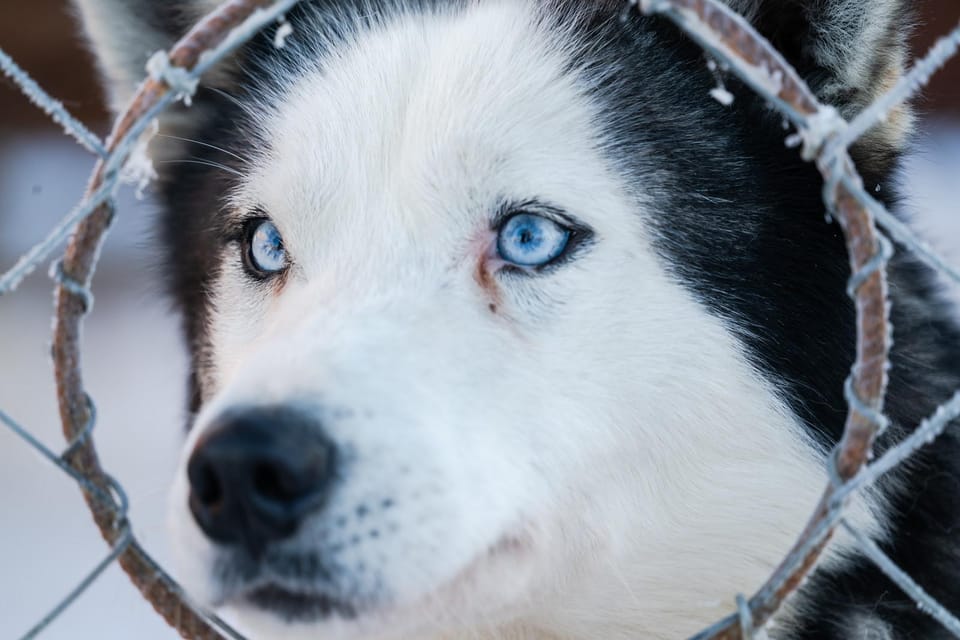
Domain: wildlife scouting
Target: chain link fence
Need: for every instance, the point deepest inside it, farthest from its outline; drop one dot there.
(822, 135)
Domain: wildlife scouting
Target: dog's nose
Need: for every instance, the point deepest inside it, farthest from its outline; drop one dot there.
(255, 475)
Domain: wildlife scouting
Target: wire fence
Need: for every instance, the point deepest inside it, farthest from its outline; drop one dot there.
(823, 136)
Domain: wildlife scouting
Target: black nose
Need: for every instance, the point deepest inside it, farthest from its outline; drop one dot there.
(255, 475)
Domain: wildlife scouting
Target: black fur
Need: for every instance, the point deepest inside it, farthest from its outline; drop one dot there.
(740, 222)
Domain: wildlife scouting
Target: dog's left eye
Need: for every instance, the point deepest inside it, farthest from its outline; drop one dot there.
(264, 253)
(529, 240)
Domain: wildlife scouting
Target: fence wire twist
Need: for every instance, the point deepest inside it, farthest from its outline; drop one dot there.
(825, 138)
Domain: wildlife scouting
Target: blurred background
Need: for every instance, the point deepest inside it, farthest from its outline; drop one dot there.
(133, 360)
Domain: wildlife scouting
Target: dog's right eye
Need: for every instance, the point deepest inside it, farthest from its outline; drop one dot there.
(263, 251)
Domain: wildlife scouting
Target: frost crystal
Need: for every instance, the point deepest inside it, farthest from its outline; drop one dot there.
(180, 80)
(138, 169)
(721, 95)
(284, 31)
(826, 122)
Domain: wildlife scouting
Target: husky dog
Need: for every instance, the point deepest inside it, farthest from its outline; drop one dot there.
(501, 327)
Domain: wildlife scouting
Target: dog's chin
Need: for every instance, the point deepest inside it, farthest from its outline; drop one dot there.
(481, 592)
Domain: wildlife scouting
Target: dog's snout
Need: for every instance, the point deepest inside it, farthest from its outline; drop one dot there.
(254, 476)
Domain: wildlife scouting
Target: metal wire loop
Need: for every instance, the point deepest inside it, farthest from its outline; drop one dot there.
(879, 261)
(84, 433)
(854, 401)
(746, 616)
(78, 289)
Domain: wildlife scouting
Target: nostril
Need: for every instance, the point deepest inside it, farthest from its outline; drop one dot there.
(205, 483)
(272, 483)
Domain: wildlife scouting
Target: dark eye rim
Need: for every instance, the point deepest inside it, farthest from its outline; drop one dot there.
(249, 228)
(581, 236)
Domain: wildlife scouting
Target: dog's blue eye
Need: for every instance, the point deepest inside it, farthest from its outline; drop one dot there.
(265, 251)
(530, 240)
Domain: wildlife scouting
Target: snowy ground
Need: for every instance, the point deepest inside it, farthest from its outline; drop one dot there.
(134, 368)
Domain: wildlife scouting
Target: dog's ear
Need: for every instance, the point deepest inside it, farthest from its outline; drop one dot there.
(125, 33)
(849, 51)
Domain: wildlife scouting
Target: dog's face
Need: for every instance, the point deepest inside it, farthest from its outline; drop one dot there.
(505, 412)
(450, 377)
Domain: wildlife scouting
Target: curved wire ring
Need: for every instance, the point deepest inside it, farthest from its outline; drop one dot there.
(81, 437)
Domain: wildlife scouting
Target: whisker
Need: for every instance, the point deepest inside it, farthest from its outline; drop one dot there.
(231, 98)
(208, 163)
(202, 144)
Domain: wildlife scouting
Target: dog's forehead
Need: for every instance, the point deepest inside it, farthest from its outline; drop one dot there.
(426, 121)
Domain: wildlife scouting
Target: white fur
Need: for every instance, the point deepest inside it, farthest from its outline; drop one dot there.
(868, 627)
(594, 459)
